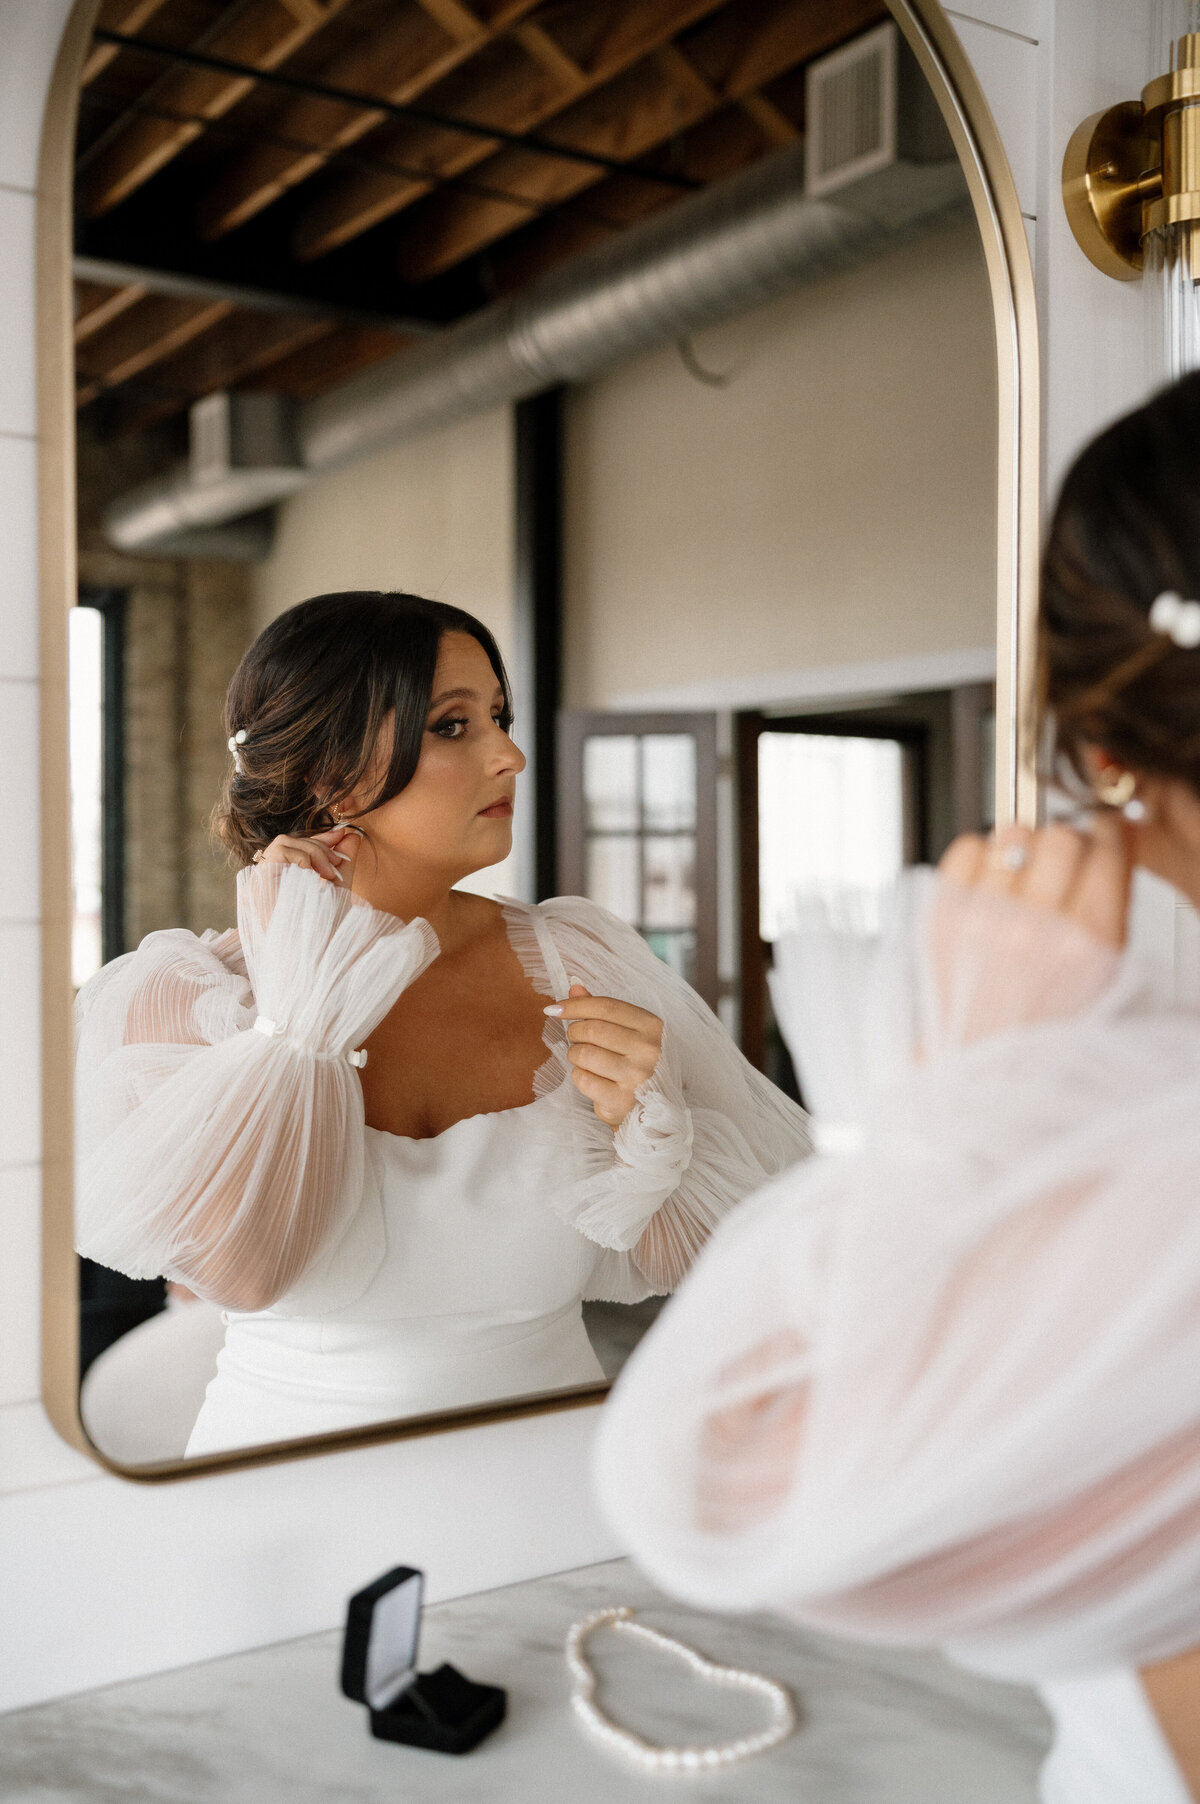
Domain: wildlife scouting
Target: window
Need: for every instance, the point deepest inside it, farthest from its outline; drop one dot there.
(638, 829)
(97, 781)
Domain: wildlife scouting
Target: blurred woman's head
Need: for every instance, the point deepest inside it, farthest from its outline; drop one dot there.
(1125, 532)
(386, 708)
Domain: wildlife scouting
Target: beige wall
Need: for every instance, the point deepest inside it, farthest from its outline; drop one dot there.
(834, 503)
(433, 516)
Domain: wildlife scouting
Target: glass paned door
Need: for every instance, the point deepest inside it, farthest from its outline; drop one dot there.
(638, 829)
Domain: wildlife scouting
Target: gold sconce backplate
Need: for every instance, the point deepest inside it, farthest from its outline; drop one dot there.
(1105, 184)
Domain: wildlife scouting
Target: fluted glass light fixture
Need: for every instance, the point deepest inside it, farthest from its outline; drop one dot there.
(1131, 185)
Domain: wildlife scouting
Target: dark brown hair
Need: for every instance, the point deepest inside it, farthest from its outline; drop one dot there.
(312, 695)
(1126, 528)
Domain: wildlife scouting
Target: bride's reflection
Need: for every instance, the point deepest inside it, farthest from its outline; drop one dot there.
(397, 1132)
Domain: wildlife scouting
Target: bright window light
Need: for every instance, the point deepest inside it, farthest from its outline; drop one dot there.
(831, 830)
(86, 730)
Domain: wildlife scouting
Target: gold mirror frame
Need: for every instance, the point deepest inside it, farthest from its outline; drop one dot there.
(1010, 275)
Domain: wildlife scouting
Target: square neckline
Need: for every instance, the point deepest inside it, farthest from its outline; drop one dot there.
(543, 964)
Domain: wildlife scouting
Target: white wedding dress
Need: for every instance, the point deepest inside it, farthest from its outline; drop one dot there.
(946, 1391)
(367, 1276)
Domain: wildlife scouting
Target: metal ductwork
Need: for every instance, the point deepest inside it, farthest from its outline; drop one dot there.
(737, 245)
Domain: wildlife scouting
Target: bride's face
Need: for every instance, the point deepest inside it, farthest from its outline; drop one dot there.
(455, 816)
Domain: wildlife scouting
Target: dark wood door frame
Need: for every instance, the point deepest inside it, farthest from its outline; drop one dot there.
(538, 615)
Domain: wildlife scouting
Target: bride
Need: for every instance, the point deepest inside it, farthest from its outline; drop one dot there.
(397, 1131)
(947, 1391)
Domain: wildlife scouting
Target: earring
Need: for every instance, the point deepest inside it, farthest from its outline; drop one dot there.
(1118, 789)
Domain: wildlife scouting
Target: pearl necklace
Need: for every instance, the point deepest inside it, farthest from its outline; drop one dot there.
(646, 1754)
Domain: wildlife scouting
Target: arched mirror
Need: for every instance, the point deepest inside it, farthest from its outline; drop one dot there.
(688, 346)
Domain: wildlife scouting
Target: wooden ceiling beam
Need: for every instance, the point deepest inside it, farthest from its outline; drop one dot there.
(717, 146)
(516, 96)
(262, 34)
(236, 351)
(146, 334)
(308, 12)
(97, 306)
(770, 119)
(635, 114)
(456, 20)
(128, 16)
(313, 369)
(662, 95)
(399, 64)
(537, 43)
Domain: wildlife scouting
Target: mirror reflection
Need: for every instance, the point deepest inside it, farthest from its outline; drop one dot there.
(466, 777)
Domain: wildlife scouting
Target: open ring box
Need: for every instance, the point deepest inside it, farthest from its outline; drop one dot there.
(442, 1710)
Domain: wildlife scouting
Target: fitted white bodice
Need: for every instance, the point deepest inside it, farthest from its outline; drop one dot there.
(222, 1144)
(476, 1294)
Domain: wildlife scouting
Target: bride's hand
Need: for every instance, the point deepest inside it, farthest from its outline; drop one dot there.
(615, 1047)
(1003, 968)
(331, 855)
(1084, 877)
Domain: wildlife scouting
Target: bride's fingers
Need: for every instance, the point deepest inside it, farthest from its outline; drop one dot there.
(1056, 858)
(962, 861)
(306, 854)
(611, 1102)
(1006, 858)
(1099, 900)
(615, 1066)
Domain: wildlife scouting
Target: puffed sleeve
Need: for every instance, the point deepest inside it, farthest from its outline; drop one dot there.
(942, 1392)
(220, 1121)
(705, 1131)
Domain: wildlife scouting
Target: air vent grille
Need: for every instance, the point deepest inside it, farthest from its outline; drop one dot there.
(850, 106)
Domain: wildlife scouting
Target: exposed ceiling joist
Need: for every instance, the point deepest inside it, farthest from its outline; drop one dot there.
(518, 96)
(455, 19)
(117, 15)
(259, 36)
(489, 139)
(236, 352)
(771, 120)
(144, 335)
(97, 304)
(399, 64)
(650, 104)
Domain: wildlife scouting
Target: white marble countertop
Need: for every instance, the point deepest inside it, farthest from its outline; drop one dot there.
(271, 1727)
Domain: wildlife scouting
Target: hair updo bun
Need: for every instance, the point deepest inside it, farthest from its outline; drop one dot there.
(1126, 529)
(312, 695)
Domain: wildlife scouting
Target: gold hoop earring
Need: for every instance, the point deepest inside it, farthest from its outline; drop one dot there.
(1115, 788)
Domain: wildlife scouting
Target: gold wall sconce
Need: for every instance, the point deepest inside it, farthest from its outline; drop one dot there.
(1131, 187)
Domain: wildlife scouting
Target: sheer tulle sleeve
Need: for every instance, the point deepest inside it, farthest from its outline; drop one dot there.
(707, 1128)
(220, 1121)
(944, 1391)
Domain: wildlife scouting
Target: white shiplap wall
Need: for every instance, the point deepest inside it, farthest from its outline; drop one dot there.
(100, 1579)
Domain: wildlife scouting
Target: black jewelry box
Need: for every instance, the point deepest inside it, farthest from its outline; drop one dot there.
(443, 1710)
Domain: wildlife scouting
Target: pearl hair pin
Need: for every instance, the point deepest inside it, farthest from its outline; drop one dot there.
(235, 742)
(1178, 619)
(646, 1755)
